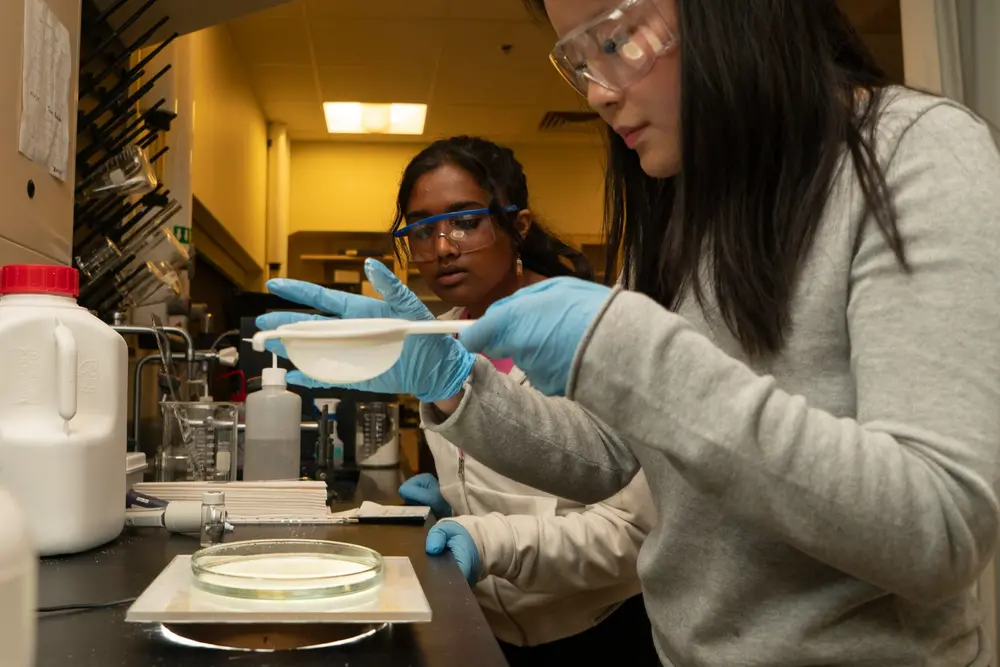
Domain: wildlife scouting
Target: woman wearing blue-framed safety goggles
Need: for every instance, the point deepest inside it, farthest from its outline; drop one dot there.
(546, 601)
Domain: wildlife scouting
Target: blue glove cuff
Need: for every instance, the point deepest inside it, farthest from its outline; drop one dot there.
(454, 386)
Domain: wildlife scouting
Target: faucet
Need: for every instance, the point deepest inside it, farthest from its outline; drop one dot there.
(226, 357)
(125, 330)
(137, 396)
(177, 331)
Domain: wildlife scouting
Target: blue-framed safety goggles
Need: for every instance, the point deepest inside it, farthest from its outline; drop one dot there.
(467, 231)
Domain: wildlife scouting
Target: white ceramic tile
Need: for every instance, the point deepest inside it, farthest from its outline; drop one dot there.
(172, 598)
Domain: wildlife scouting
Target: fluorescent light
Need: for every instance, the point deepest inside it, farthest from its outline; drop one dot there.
(360, 118)
(343, 117)
(408, 118)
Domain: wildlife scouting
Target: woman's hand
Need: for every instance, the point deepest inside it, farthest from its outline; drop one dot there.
(399, 302)
(431, 367)
(540, 327)
(424, 489)
(456, 539)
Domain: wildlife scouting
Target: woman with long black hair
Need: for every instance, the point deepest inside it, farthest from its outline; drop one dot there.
(803, 354)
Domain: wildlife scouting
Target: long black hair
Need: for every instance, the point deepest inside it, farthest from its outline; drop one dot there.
(499, 173)
(772, 93)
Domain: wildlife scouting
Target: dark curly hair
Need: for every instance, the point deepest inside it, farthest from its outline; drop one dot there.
(499, 173)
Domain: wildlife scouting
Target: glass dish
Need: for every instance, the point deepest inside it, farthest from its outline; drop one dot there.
(286, 569)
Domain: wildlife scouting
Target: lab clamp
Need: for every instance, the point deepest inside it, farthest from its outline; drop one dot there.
(198, 365)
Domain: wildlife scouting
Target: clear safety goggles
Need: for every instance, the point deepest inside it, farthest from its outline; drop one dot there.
(613, 50)
(466, 231)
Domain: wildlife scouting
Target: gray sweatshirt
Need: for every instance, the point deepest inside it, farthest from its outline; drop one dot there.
(833, 505)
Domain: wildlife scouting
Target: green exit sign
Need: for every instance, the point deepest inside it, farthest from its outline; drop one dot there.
(183, 234)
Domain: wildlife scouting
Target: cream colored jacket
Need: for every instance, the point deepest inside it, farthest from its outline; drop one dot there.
(552, 568)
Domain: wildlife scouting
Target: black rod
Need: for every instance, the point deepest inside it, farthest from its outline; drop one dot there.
(114, 35)
(148, 141)
(111, 141)
(129, 50)
(105, 220)
(159, 154)
(137, 220)
(102, 224)
(108, 99)
(91, 149)
(97, 288)
(113, 101)
(103, 16)
(109, 127)
(103, 207)
(123, 142)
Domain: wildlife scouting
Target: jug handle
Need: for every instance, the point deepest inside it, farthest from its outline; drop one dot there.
(66, 371)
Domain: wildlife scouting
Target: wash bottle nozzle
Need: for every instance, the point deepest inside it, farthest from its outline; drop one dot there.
(273, 376)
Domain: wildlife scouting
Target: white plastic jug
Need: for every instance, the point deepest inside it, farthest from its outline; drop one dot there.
(62, 411)
(18, 587)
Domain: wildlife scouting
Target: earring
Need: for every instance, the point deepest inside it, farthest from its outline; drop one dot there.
(520, 267)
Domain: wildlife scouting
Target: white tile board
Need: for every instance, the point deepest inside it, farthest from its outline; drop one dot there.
(172, 598)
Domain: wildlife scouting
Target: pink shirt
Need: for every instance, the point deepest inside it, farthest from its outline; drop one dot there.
(505, 366)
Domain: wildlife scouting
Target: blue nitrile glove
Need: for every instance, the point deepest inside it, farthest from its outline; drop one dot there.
(399, 302)
(454, 537)
(423, 489)
(431, 367)
(540, 328)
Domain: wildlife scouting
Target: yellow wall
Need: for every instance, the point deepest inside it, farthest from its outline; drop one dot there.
(352, 187)
(229, 170)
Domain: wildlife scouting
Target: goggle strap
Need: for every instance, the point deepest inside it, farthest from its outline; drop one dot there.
(496, 209)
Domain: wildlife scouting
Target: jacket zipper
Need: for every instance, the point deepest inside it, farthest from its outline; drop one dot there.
(461, 478)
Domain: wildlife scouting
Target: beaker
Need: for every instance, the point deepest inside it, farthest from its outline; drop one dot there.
(376, 427)
(199, 442)
(128, 172)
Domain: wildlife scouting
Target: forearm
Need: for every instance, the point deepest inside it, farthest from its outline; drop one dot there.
(551, 444)
(558, 554)
(901, 506)
(447, 407)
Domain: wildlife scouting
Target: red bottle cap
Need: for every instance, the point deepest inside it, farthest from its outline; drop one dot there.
(39, 279)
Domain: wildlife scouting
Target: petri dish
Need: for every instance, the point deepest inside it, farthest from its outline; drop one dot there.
(286, 569)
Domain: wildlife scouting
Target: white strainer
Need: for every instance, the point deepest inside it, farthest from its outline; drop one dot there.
(348, 351)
